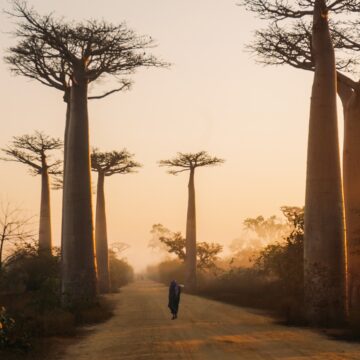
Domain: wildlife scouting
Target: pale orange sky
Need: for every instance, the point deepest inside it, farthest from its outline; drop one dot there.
(214, 98)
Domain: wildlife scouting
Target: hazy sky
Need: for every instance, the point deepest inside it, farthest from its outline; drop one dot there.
(214, 98)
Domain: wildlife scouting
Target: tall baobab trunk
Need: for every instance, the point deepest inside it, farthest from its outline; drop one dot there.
(45, 241)
(102, 257)
(324, 253)
(78, 257)
(190, 260)
(67, 121)
(351, 174)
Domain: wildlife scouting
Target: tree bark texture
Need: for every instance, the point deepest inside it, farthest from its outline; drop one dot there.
(79, 283)
(67, 121)
(190, 260)
(351, 177)
(45, 240)
(102, 258)
(324, 240)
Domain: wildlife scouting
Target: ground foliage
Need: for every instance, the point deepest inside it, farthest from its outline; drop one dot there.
(30, 306)
(121, 273)
(274, 281)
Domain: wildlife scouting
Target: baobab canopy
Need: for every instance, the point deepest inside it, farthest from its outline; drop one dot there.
(107, 164)
(49, 49)
(33, 151)
(188, 161)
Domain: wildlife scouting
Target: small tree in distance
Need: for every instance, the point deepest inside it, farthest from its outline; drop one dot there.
(107, 164)
(206, 252)
(189, 162)
(158, 231)
(33, 151)
(15, 228)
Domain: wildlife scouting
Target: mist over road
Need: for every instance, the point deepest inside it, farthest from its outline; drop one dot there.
(141, 329)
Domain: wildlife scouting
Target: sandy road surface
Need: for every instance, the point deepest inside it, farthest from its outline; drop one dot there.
(142, 329)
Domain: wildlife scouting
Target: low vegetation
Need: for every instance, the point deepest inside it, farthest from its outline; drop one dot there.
(272, 279)
(31, 303)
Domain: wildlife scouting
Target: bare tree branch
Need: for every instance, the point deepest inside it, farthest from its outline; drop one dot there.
(189, 161)
(277, 45)
(279, 10)
(126, 86)
(32, 150)
(114, 162)
(52, 51)
(15, 228)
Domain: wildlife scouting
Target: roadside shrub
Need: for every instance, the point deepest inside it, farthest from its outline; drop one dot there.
(167, 271)
(10, 337)
(243, 287)
(27, 271)
(284, 263)
(121, 273)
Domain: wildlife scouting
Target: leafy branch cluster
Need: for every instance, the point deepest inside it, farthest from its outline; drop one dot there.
(206, 253)
(284, 260)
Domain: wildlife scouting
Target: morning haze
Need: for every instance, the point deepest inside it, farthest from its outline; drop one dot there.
(214, 98)
(203, 205)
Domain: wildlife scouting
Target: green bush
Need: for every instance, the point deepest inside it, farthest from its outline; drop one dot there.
(171, 270)
(174, 269)
(284, 263)
(121, 273)
(27, 271)
(243, 287)
(166, 271)
(10, 337)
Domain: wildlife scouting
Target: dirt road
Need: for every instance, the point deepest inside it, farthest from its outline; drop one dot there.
(205, 329)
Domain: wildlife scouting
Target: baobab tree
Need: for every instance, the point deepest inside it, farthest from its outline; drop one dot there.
(324, 229)
(107, 164)
(69, 56)
(281, 46)
(189, 162)
(33, 151)
(324, 245)
(349, 93)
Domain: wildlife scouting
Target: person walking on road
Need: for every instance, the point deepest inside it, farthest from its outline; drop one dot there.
(174, 298)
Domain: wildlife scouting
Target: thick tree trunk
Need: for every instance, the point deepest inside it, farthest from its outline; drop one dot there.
(102, 258)
(67, 121)
(190, 260)
(351, 174)
(78, 255)
(324, 248)
(45, 241)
